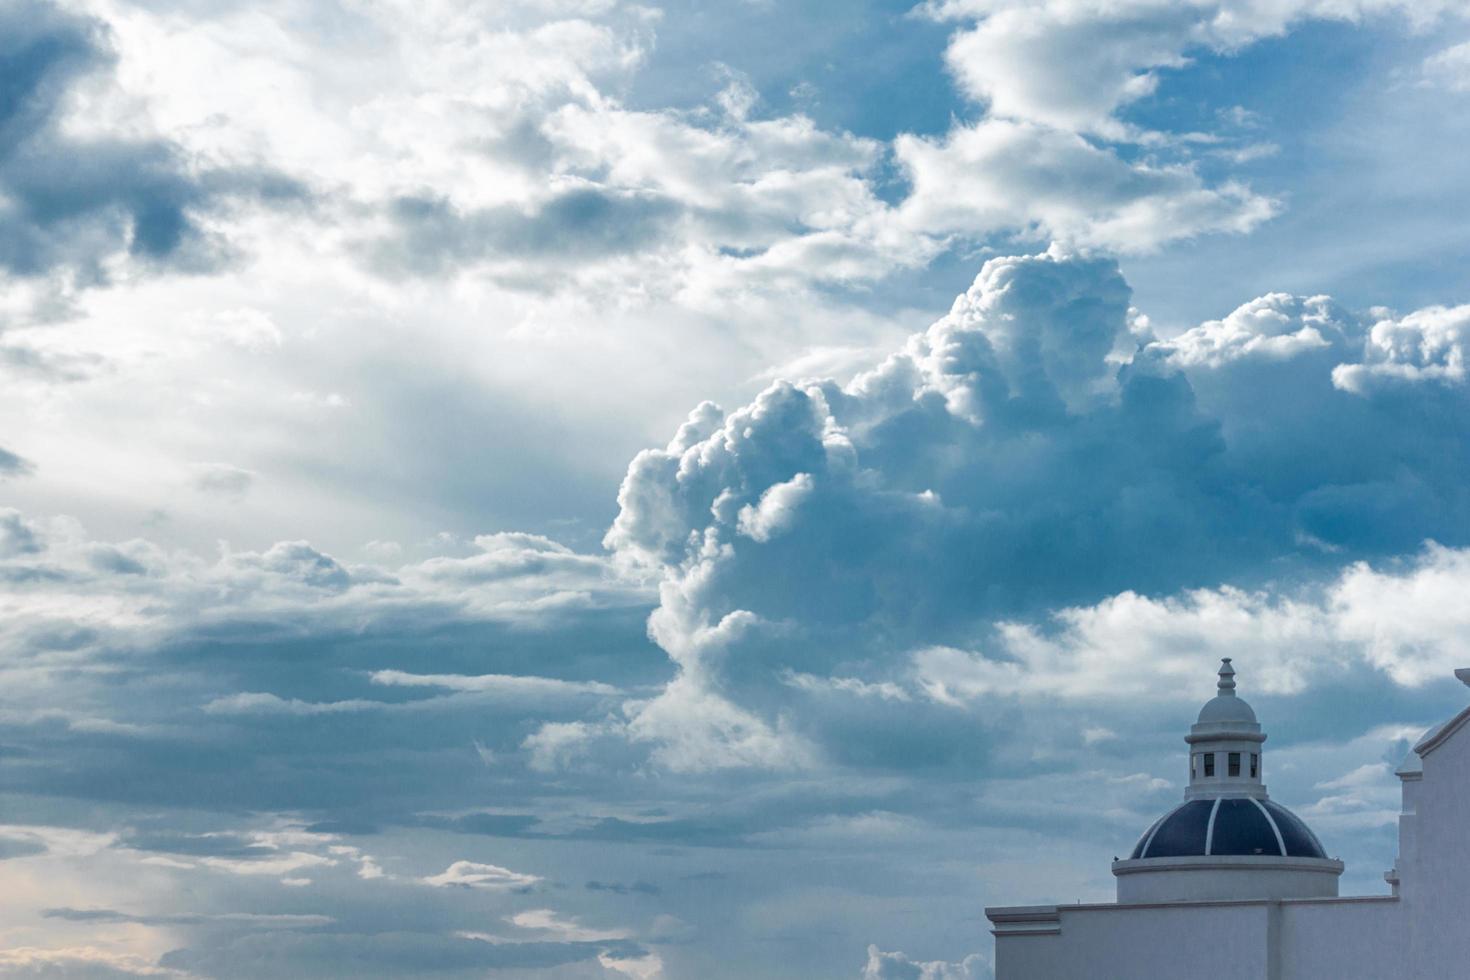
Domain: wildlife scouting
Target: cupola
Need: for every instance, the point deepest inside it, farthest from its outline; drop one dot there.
(1225, 757)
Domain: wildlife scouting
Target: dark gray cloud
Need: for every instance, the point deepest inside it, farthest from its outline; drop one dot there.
(73, 202)
(223, 479)
(432, 235)
(19, 847)
(13, 465)
(215, 844)
(18, 539)
(386, 954)
(50, 366)
(115, 561)
(246, 920)
(619, 888)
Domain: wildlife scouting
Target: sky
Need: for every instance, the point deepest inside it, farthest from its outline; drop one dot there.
(569, 489)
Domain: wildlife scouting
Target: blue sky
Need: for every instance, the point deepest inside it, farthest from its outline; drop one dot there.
(567, 489)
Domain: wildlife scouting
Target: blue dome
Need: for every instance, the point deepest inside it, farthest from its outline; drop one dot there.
(1231, 826)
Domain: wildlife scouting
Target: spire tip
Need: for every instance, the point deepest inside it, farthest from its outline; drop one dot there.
(1227, 677)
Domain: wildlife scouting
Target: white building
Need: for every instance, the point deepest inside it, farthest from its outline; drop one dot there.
(1231, 886)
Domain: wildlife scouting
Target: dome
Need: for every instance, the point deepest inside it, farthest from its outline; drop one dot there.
(1226, 708)
(1228, 826)
(1227, 841)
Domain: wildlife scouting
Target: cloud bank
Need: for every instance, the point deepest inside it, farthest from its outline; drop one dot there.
(1039, 447)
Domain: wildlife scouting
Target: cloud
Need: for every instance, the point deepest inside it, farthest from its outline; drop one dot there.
(546, 920)
(262, 858)
(619, 888)
(500, 684)
(291, 561)
(1012, 60)
(52, 366)
(1401, 617)
(285, 852)
(1276, 327)
(68, 842)
(558, 745)
(834, 560)
(86, 594)
(1074, 67)
(1399, 620)
(20, 847)
(13, 465)
(622, 958)
(897, 966)
(693, 728)
(284, 866)
(249, 658)
(214, 843)
(248, 329)
(17, 537)
(1003, 176)
(851, 686)
(377, 954)
(513, 555)
(515, 158)
(1056, 155)
(274, 921)
(518, 687)
(1449, 68)
(222, 479)
(468, 874)
(829, 537)
(775, 510)
(644, 965)
(432, 236)
(248, 702)
(512, 158)
(1428, 345)
(78, 204)
(80, 963)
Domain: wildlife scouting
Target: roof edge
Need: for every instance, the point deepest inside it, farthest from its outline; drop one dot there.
(1442, 734)
(1062, 910)
(1227, 862)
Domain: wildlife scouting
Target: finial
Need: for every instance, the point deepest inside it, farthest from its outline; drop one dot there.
(1227, 677)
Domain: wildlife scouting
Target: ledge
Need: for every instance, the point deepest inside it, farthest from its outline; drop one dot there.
(1225, 734)
(1442, 734)
(1025, 920)
(1041, 920)
(1227, 862)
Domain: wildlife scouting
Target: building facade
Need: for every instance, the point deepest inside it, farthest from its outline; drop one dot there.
(1230, 885)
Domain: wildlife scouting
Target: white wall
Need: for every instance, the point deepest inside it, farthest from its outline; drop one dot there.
(1226, 942)
(1435, 881)
(1347, 939)
(1308, 939)
(1227, 879)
